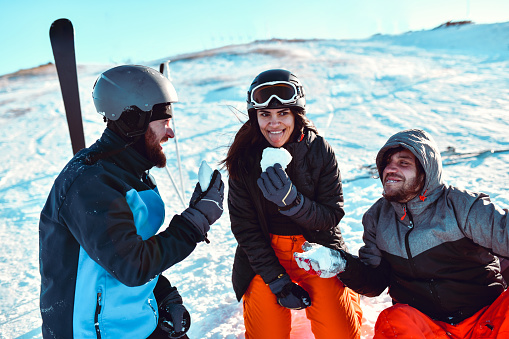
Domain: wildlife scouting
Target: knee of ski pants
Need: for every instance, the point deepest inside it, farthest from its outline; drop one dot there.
(263, 316)
(335, 311)
(404, 321)
(493, 320)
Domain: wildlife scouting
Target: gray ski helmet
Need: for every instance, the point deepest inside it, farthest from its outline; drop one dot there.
(272, 75)
(131, 85)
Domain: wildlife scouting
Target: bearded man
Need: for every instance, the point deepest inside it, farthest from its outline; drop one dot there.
(434, 246)
(101, 256)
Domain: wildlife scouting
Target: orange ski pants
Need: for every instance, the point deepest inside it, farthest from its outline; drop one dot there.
(334, 312)
(402, 321)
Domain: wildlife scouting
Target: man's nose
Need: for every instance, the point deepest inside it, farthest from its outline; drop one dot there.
(169, 132)
(391, 168)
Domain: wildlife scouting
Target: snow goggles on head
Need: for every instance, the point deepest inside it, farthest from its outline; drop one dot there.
(284, 91)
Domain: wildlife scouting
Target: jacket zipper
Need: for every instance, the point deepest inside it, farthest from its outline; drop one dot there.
(156, 313)
(96, 316)
(407, 242)
(431, 283)
(434, 294)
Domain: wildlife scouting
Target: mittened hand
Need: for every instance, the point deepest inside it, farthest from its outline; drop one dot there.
(174, 319)
(294, 297)
(320, 260)
(210, 201)
(276, 186)
(206, 206)
(289, 294)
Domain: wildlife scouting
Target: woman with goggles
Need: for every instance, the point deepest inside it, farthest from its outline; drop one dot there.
(275, 211)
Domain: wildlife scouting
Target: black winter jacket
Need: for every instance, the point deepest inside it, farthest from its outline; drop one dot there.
(100, 256)
(314, 172)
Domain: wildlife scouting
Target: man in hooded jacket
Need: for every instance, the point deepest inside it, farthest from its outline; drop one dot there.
(434, 246)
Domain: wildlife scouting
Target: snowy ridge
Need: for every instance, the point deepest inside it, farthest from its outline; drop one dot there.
(452, 82)
(486, 39)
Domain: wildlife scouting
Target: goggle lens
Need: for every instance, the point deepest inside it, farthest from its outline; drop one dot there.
(285, 92)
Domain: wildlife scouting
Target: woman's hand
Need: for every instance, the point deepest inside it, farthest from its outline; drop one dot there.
(276, 186)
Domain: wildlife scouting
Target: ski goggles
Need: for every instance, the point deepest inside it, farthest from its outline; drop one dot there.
(284, 91)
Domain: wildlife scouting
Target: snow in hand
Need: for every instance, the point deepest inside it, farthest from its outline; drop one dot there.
(452, 82)
(272, 156)
(204, 175)
(320, 260)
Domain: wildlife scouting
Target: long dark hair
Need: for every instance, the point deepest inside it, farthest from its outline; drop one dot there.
(249, 141)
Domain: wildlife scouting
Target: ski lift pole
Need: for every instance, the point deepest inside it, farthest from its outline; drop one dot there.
(164, 68)
(176, 188)
(178, 159)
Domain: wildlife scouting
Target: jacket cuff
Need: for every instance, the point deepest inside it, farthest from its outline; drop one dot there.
(197, 219)
(294, 207)
(277, 285)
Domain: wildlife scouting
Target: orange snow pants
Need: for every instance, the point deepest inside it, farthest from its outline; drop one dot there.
(402, 321)
(334, 312)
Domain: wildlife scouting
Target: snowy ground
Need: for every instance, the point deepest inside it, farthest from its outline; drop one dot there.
(452, 82)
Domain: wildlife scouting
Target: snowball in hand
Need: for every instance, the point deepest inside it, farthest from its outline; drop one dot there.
(204, 175)
(272, 156)
(320, 260)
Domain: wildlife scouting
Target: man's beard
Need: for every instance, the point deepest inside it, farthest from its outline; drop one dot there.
(153, 149)
(407, 192)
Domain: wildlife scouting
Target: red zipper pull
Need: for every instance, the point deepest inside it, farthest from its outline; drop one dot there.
(404, 215)
(423, 196)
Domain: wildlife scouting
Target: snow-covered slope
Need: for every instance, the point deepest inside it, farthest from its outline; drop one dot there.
(452, 82)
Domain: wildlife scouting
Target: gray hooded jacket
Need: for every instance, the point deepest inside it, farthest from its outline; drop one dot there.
(437, 251)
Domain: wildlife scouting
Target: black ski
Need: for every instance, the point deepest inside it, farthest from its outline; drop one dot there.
(61, 34)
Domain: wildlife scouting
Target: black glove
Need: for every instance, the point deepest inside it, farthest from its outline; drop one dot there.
(276, 186)
(289, 294)
(174, 319)
(206, 207)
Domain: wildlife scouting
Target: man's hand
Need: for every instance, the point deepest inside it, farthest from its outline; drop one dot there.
(276, 186)
(206, 206)
(320, 260)
(174, 319)
(289, 294)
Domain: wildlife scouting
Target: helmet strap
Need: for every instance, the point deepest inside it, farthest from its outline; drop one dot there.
(133, 124)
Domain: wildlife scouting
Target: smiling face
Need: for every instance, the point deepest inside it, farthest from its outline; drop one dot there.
(158, 133)
(401, 178)
(276, 125)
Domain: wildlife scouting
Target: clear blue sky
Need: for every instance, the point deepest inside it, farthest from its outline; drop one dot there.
(111, 31)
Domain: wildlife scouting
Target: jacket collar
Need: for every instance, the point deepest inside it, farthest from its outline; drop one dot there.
(127, 157)
(308, 138)
(417, 205)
